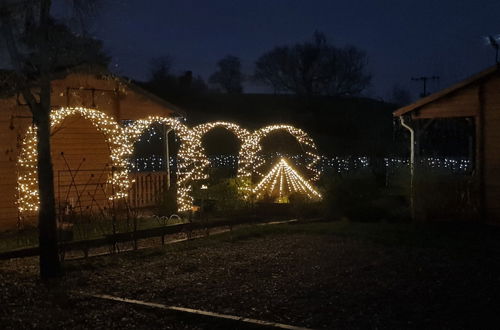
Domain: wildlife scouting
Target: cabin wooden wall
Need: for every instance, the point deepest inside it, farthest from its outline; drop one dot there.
(481, 100)
(491, 127)
(13, 121)
(461, 103)
(81, 161)
(78, 138)
(122, 101)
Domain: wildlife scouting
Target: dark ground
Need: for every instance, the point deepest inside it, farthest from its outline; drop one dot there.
(320, 275)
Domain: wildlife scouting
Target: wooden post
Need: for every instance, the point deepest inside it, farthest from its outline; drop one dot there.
(479, 121)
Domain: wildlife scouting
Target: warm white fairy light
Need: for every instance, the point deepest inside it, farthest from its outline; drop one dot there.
(27, 181)
(190, 160)
(245, 155)
(306, 142)
(282, 180)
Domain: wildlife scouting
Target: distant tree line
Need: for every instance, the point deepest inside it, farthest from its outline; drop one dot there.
(164, 82)
(311, 68)
(314, 67)
(228, 76)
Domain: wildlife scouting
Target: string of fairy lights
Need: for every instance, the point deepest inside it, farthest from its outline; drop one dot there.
(305, 141)
(282, 180)
(191, 160)
(335, 164)
(245, 156)
(27, 181)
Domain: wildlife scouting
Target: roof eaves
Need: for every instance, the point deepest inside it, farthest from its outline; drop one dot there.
(435, 96)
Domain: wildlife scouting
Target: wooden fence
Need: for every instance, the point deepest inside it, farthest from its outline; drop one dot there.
(147, 189)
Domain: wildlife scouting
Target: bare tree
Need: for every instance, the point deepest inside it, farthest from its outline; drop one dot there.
(228, 76)
(314, 68)
(165, 83)
(160, 69)
(38, 46)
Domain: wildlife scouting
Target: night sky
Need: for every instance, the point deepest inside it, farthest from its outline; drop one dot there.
(403, 38)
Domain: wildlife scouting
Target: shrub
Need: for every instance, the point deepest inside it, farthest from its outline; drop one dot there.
(359, 195)
(302, 207)
(442, 195)
(223, 197)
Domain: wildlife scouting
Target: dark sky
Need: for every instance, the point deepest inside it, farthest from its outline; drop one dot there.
(403, 38)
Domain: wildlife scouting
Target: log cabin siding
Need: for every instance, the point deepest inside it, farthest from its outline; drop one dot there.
(11, 124)
(78, 139)
(81, 162)
(462, 103)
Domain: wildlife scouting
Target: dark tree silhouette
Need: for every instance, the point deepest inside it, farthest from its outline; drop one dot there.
(160, 69)
(228, 76)
(38, 47)
(170, 86)
(314, 68)
(400, 96)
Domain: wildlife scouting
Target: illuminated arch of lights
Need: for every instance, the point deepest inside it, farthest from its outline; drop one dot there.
(27, 181)
(191, 160)
(305, 141)
(244, 156)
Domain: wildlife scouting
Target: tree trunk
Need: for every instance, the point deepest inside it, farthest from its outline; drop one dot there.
(50, 265)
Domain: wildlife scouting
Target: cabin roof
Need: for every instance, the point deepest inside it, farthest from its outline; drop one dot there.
(438, 95)
(127, 82)
(9, 80)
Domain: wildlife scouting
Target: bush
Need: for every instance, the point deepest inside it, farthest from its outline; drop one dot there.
(224, 197)
(442, 195)
(168, 202)
(302, 207)
(359, 195)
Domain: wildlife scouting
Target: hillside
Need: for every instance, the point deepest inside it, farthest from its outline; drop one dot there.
(340, 126)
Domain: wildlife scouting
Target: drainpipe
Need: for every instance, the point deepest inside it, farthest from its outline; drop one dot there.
(412, 165)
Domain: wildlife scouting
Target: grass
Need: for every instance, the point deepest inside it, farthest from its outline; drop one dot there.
(320, 274)
(408, 234)
(458, 238)
(83, 229)
(436, 235)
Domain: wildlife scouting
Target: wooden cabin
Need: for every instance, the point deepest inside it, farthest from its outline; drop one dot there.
(477, 100)
(79, 151)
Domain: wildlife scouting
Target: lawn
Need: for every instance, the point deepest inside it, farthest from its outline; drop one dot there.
(316, 274)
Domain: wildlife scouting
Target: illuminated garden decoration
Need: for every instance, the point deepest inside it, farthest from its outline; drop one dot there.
(27, 181)
(245, 155)
(191, 159)
(306, 142)
(248, 160)
(282, 181)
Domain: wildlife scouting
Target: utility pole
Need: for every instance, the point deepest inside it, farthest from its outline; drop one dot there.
(424, 79)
